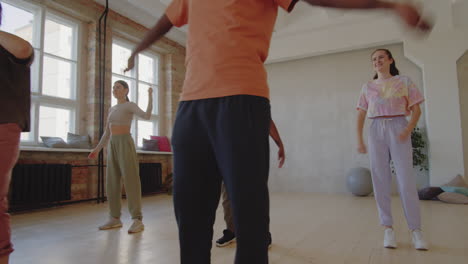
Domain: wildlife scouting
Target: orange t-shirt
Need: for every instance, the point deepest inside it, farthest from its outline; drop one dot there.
(227, 44)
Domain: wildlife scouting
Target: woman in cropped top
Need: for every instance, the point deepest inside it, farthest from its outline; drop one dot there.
(387, 100)
(122, 161)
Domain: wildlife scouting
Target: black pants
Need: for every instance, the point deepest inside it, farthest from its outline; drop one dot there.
(214, 140)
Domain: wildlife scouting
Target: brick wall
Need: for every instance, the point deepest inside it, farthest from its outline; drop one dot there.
(84, 178)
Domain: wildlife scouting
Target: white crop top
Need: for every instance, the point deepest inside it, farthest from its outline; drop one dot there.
(122, 115)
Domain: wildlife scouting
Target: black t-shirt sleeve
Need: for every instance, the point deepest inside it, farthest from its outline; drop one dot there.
(27, 61)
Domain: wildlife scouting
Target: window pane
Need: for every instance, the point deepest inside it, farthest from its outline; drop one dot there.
(35, 72)
(143, 97)
(54, 122)
(26, 136)
(18, 21)
(145, 130)
(120, 57)
(131, 85)
(57, 78)
(58, 39)
(147, 69)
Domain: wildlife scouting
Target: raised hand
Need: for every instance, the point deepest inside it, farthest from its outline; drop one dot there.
(412, 17)
(130, 64)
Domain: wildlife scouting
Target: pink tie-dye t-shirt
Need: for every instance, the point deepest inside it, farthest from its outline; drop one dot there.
(390, 97)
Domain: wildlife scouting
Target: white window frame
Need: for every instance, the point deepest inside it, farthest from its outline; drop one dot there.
(41, 13)
(134, 76)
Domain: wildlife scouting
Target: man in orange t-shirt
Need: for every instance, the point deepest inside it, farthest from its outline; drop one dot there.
(222, 124)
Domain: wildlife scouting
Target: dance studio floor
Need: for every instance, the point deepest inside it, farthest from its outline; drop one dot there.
(306, 228)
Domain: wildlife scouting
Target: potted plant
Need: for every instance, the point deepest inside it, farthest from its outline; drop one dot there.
(419, 147)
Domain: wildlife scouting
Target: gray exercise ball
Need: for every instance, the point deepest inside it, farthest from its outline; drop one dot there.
(359, 181)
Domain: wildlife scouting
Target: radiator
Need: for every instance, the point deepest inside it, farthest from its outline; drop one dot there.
(38, 184)
(151, 177)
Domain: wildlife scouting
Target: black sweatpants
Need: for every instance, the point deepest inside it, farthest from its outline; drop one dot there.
(214, 140)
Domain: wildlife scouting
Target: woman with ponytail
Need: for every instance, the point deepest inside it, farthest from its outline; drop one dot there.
(387, 100)
(122, 161)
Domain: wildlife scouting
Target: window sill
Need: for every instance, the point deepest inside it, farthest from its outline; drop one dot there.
(45, 149)
(153, 152)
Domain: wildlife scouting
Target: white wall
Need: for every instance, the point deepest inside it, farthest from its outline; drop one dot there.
(314, 106)
(462, 66)
(436, 56)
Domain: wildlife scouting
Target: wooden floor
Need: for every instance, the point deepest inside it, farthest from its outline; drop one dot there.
(306, 228)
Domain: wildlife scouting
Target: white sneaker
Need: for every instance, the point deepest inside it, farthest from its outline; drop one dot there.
(111, 223)
(418, 240)
(136, 227)
(389, 238)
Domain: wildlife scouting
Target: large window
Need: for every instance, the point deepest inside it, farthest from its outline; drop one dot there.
(54, 71)
(144, 75)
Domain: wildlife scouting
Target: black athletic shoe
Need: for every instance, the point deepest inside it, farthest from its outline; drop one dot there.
(228, 238)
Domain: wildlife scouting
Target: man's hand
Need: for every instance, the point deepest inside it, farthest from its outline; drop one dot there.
(281, 156)
(411, 17)
(130, 63)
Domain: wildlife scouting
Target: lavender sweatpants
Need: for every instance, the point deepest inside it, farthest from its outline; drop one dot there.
(384, 145)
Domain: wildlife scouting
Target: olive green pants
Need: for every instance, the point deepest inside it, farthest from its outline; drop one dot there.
(122, 163)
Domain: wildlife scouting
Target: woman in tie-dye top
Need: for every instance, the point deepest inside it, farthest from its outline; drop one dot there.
(387, 100)
(390, 97)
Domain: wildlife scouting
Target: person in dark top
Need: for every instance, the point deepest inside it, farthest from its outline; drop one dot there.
(16, 56)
